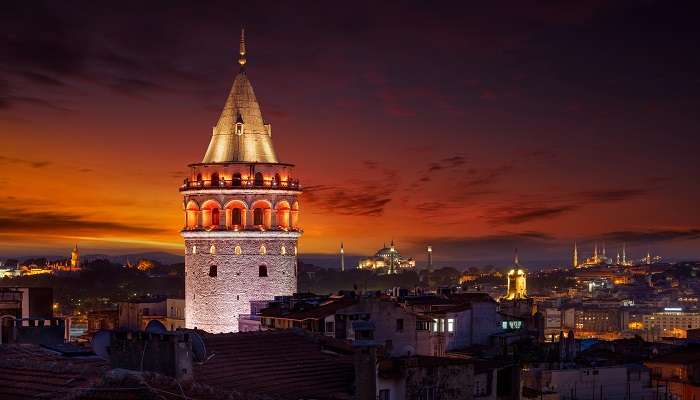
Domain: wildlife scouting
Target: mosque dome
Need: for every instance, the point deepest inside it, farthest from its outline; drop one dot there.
(386, 253)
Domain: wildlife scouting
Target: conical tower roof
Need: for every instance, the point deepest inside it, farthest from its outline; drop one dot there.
(240, 135)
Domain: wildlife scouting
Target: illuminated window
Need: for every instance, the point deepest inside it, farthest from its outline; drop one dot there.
(450, 325)
(262, 271)
(283, 250)
(212, 271)
(237, 250)
(263, 249)
(212, 249)
(194, 249)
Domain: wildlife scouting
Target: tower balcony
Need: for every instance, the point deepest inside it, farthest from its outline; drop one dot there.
(241, 228)
(292, 184)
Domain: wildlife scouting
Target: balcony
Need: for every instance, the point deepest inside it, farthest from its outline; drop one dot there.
(241, 228)
(240, 184)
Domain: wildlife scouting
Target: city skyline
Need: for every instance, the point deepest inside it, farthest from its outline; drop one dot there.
(446, 142)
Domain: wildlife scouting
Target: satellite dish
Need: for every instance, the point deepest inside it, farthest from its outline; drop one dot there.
(155, 326)
(198, 349)
(100, 342)
(409, 350)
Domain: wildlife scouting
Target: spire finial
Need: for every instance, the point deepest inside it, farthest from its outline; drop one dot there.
(241, 50)
(517, 261)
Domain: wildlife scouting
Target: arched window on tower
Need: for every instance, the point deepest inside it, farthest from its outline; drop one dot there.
(258, 216)
(262, 271)
(276, 182)
(215, 217)
(236, 179)
(259, 179)
(237, 250)
(212, 271)
(236, 216)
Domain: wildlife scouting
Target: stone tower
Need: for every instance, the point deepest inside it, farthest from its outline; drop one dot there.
(241, 217)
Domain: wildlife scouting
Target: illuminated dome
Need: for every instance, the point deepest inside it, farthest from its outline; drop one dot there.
(386, 252)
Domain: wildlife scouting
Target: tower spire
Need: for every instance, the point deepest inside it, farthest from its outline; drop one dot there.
(241, 49)
(517, 260)
(575, 254)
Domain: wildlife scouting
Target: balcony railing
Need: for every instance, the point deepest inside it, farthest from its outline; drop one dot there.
(241, 228)
(241, 184)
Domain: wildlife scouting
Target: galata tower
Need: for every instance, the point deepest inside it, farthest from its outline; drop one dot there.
(241, 217)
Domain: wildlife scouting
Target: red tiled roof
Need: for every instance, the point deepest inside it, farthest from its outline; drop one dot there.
(287, 363)
(29, 370)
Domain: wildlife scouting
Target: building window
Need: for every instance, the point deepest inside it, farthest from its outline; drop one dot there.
(259, 180)
(215, 216)
(330, 327)
(450, 325)
(258, 216)
(283, 250)
(262, 271)
(263, 250)
(236, 179)
(384, 394)
(215, 179)
(236, 216)
(212, 249)
(194, 249)
(399, 325)
(212, 271)
(237, 250)
(428, 393)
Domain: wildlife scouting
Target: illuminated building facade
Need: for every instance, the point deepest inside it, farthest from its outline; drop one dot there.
(241, 217)
(671, 322)
(387, 260)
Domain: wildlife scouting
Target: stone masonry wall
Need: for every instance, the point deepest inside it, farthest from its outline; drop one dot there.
(214, 303)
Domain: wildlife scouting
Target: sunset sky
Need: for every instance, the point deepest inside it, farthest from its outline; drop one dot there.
(475, 129)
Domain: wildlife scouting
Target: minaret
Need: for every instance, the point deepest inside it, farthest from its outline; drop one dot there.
(617, 258)
(241, 216)
(575, 255)
(342, 258)
(595, 252)
(624, 253)
(392, 250)
(430, 258)
(516, 260)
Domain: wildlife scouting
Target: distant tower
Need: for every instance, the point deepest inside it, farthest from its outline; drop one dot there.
(241, 217)
(392, 251)
(517, 285)
(624, 253)
(342, 258)
(575, 255)
(75, 258)
(595, 251)
(647, 259)
(430, 258)
(617, 258)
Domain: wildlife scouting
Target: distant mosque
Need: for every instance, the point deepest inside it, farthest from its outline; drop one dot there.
(387, 260)
(516, 302)
(599, 258)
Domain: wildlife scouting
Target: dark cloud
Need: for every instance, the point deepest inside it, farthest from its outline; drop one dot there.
(606, 196)
(29, 163)
(22, 221)
(652, 236)
(364, 201)
(518, 215)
